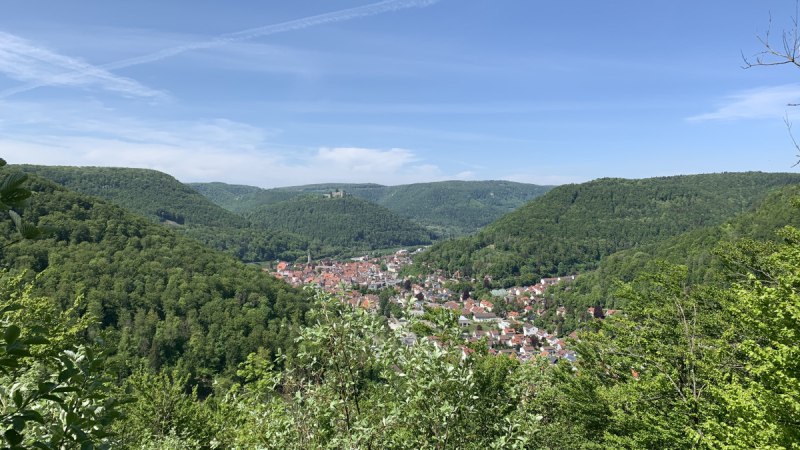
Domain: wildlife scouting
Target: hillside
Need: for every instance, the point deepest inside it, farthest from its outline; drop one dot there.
(158, 296)
(450, 207)
(150, 193)
(163, 199)
(698, 250)
(343, 225)
(572, 227)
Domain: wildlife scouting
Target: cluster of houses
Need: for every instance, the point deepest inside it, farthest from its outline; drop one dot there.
(508, 332)
(331, 276)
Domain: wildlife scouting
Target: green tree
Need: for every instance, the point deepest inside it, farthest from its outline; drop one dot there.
(761, 401)
(649, 371)
(54, 390)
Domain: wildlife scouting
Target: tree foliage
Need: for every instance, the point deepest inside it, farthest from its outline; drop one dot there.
(572, 227)
(451, 208)
(341, 225)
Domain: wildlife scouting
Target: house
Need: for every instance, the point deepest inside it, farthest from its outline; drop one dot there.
(484, 317)
(529, 330)
(464, 322)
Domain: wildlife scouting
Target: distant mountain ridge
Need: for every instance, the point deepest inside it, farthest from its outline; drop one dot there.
(162, 198)
(449, 207)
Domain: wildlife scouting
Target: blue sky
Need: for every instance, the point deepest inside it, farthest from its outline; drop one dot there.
(273, 93)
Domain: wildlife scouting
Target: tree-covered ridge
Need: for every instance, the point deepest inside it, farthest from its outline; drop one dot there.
(164, 199)
(449, 207)
(348, 224)
(698, 250)
(572, 227)
(223, 193)
(459, 207)
(159, 297)
(150, 193)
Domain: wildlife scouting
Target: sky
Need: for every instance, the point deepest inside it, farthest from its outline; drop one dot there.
(276, 93)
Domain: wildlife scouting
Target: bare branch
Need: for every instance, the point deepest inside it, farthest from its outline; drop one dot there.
(786, 52)
(791, 136)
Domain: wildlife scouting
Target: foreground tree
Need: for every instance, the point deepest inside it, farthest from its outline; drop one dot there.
(761, 400)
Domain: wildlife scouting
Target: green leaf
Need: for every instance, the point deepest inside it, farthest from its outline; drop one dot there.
(37, 340)
(11, 334)
(17, 397)
(46, 386)
(33, 416)
(18, 423)
(16, 218)
(11, 307)
(18, 351)
(13, 437)
(9, 362)
(29, 231)
(63, 389)
(11, 183)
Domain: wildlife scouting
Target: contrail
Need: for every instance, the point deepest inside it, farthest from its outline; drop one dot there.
(244, 35)
(24, 61)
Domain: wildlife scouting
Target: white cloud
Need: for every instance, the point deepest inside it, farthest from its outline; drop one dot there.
(760, 103)
(24, 61)
(262, 167)
(364, 160)
(200, 150)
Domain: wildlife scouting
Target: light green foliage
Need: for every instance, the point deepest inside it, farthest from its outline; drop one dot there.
(762, 399)
(353, 384)
(13, 196)
(162, 410)
(54, 392)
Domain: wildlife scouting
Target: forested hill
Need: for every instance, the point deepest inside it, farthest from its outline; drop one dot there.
(341, 224)
(699, 250)
(159, 297)
(150, 193)
(164, 199)
(450, 207)
(571, 227)
(237, 198)
(458, 207)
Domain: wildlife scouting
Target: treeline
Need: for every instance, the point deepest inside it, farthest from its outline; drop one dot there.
(451, 208)
(572, 227)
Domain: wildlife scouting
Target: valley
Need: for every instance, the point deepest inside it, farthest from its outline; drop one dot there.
(323, 302)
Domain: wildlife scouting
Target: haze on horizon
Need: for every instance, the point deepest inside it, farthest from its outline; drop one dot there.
(397, 91)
